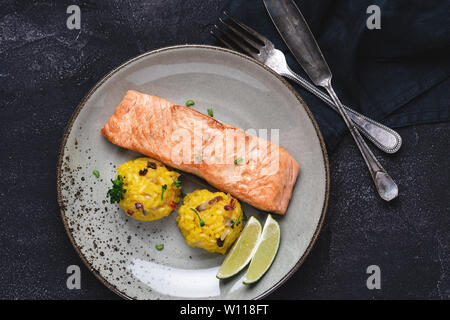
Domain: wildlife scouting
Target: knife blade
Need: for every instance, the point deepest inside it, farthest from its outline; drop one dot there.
(297, 35)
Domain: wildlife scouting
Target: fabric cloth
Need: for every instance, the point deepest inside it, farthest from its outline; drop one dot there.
(397, 75)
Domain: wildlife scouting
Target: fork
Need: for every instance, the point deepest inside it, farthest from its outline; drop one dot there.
(381, 136)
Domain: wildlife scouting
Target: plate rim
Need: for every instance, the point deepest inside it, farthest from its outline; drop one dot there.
(80, 106)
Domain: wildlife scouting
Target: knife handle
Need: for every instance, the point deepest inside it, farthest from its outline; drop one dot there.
(385, 185)
(381, 136)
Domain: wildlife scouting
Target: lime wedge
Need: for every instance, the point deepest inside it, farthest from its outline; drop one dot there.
(242, 251)
(265, 252)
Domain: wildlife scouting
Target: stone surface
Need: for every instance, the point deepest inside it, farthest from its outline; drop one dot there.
(45, 71)
(407, 238)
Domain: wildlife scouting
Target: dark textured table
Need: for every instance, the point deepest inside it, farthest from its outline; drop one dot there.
(45, 71)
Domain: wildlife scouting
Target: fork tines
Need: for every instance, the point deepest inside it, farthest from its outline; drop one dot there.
(236, 36)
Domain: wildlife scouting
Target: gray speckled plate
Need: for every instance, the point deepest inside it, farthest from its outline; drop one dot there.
(121, 251)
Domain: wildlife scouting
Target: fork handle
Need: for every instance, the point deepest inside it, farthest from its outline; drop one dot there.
(383, 137)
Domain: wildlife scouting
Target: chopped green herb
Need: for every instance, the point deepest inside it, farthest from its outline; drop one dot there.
(96, 173)
(116, 192)
(202, 223)
(164, 187)
(238, 221)
(190, 103)
(198, 157)
(210, 112)
(237, 161)
(177, 183)
(159, 247)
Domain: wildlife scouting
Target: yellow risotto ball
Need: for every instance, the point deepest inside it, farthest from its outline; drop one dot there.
(152, 191)
(211, 221)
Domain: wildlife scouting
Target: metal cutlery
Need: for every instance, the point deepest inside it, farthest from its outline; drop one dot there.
(296, 33)
(383, 137)
(264, 51)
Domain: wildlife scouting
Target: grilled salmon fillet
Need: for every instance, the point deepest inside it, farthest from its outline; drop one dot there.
(250, 168)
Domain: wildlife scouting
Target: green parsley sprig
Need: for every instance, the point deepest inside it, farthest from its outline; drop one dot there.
(116, 192)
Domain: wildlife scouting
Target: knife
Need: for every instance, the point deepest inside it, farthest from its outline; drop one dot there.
(295, 32)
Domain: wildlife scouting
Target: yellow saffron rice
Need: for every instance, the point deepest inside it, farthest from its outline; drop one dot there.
(151, 189)
(214, 228)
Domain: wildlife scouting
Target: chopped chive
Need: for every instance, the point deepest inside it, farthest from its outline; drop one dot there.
(238, 221)
(164, 187)
(210, 112)
(177, 183)
(96, 173)
(190, 103)
(159, 247)
(202, 223)
(198, 157)
(237, 161)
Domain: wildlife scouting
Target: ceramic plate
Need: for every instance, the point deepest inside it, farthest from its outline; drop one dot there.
(121, 251)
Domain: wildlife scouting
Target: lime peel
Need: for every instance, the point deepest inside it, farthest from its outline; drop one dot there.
(265, 251)
(242, 251)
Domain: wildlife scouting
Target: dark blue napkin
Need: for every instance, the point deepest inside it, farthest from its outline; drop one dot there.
(398, 75)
